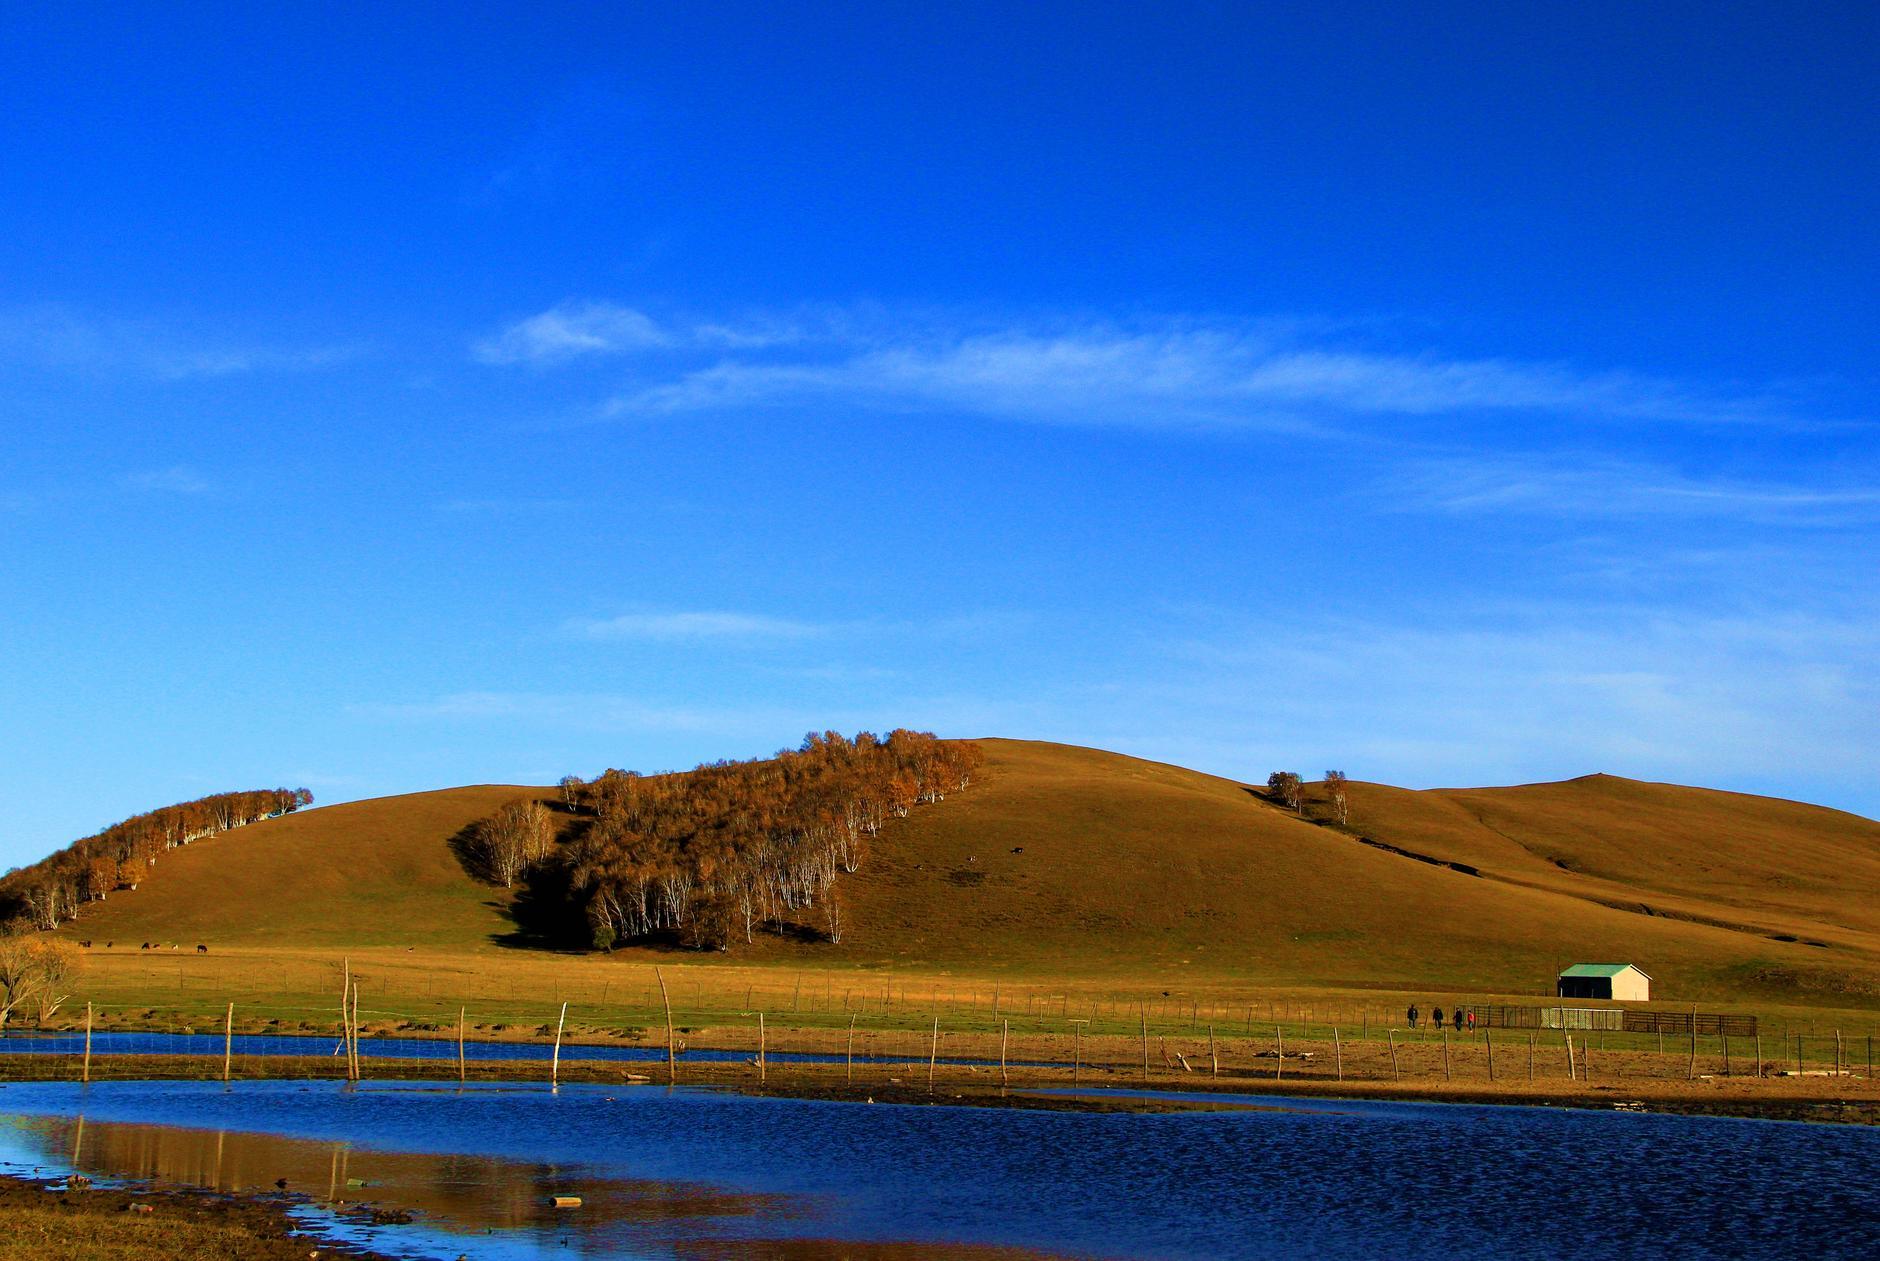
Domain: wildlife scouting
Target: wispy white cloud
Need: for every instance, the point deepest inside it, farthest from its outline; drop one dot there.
(1645, 691)
(1167, 373)
(507, 506)
(599, 330)
(1602, 488)
(1177, 375)
(692, 626)
(61, 338)
(607, 712)
(178, 479)
(570, 331)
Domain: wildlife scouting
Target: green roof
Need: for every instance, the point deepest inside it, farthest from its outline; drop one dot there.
(1600, 969)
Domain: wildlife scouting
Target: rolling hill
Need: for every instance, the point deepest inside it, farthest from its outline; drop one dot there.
(1076, 862)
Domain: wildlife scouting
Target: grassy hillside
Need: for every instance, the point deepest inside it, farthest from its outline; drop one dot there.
(1074, 862)
(375, 872)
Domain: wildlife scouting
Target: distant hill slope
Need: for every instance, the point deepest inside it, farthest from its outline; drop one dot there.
(364, 873)
(1075, 861)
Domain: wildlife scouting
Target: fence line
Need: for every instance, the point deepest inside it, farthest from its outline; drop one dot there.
(393, 1039)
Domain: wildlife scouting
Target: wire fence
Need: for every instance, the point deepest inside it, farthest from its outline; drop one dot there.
(534, 1041)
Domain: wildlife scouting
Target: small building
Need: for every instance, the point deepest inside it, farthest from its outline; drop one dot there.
(1623, 982)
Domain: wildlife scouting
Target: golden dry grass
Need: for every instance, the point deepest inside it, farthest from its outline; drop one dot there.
(1074, 871)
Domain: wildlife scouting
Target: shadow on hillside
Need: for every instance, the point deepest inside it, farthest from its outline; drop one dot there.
(539, 910)
(468, 853)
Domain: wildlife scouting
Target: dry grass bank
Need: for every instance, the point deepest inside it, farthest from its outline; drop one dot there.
(1071, 869)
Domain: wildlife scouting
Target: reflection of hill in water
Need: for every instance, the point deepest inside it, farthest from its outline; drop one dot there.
(454, 1192)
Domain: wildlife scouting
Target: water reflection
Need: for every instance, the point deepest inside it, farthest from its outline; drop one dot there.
(460, 1194)
(699, 1174)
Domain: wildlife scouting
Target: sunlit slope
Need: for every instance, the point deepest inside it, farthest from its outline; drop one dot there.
(1070, 861)
(377, 872)
(1128, 865)
(1752, 860)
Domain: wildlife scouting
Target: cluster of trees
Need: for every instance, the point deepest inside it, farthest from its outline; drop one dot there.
(49, 892)
(35, 973)
(503, 848)
(1288, 789)
(715, 853)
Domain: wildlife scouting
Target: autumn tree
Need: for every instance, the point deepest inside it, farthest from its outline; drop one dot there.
(35, 972)
(1285, 787)
(1336, 792)
(712, 854)
(511, 841)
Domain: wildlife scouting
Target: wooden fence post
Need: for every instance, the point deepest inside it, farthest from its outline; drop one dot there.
(851, 1054)
(1837, 1052)
(1005, 1035)
(672, 1054)
(1726, 1054)
(1214, 1061)
(762, 1067)
(1530, 1057)
(1144, 1013)
(86, 1077)
(228, 1042)
(1489, 1042)
(1445, 1053)
(345, 1014)
(1394, 1074)
(461, 1075)
(933, 1053)
(1571, 1074)
(1338, 1054)
(1279, 1052)
(1759, 1053)
(554, 1063)
(1077, 1050)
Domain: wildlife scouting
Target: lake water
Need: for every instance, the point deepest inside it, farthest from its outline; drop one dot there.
(697, 1173)
(277, 1045)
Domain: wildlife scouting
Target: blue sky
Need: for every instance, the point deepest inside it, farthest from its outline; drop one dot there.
(396, 401)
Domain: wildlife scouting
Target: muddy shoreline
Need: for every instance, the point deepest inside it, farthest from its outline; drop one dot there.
(135, 1221)
(1851, 1100)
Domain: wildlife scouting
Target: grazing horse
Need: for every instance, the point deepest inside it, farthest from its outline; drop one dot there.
(85, 944)
(202, 950)
(145, 946)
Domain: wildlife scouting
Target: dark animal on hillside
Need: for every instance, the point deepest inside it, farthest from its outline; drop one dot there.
(107, 945)
(202, 950)
(145, 946)
(85, 944)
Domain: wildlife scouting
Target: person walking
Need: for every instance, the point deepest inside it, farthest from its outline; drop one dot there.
(1436, 1015)
(1413, 1015)
(1471, 1020)
(1458, 1015)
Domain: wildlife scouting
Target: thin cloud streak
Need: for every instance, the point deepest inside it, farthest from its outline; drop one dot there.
(59, 338)
(176, 480)
(1611, 489)
(1180, 376)
(570, 331)
(694, 626)
(1636, 691)
(1172, 373)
